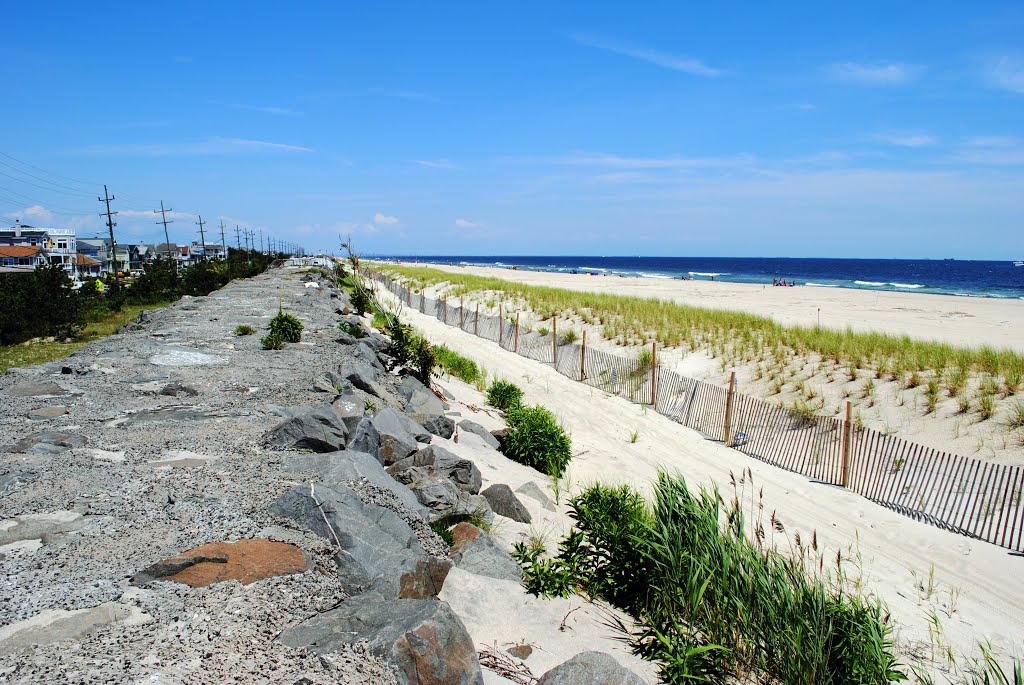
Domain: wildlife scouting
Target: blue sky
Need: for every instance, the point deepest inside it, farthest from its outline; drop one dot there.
(726, 129)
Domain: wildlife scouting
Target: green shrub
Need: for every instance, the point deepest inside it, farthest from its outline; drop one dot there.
(537, 440)
(272, 341)
(443, 531)
(352, 329)
(286, 327)
(409, 348)
(457, 365)
(361, 300)
(568, 336)
(542, 330)
(504, 395)
(244, 330)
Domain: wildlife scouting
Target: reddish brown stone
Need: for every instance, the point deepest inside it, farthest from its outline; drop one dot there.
(246, 561)
(426, 580)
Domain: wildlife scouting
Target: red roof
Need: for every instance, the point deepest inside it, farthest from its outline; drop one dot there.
(85, 260)
(19, 250)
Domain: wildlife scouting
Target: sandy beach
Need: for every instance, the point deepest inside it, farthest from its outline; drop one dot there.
(920, 571)
(970, 321)
(883, 403)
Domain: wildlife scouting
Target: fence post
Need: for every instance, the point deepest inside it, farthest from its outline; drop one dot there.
(847, 435)
(516, 344)
(728, 408)
(554, 341)
(462, 312)
(583, 357)
(501, 324)
(654, 380)
(476, 321)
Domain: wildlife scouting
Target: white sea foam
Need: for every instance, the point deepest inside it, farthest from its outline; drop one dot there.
(822, 285)
(869, 283)
(707, 273)
(907, 285)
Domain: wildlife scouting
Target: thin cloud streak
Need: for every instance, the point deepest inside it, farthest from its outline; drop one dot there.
(1007, 73)
(436, 163)
(612, 161)
(906, 139)
(681, 63)
(875, 74)
(281, 111)
(210, 146)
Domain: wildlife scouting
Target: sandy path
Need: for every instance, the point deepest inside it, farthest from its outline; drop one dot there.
(989, 598)
(959, 320)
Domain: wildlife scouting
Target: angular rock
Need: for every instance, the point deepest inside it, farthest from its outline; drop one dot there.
(376, 546)
(474, 551)
(533, 491)
(49, 442)
(178, 390)
(350, 409)
(363, 376)
(365, 438)
(437, 461)
(438, 424)
(9, 482)
(422, 638)
(377, 342)
(504, 502)
(426, 580)
(476, 429)
(423, 402)
(335, 468)
(314, 428)
(441, 496)
(394, 422)
(245, 561)
(363, 352)
(590, 668)
(408, 386)
(397, 434)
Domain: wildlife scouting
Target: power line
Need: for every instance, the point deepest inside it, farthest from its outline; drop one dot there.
(73, 191)
(40, 202)
(107, 197)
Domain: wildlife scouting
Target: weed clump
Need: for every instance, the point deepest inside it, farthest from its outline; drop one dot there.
(272, 341)
(286, 327)
(504, 395)
(244, 330)
(537, 440)
(457, 365)
(352, 329)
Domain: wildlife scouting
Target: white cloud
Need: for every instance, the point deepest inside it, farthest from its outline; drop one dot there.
(1007, 73)
(906, 139)
(384, 219)
(875, 74)
(210, 146)
(437, 163)
(36, 213)
(687, 65)
(467, 224)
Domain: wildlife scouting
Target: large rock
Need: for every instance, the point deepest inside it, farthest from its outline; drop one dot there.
(476, 429)
(49, 442)
(365, 438)
(590, 668)
(422, 401)
(363, 352)
(37, 389)
(504, 502)
(363, 376)
(395, 422)
(438, 424)
(376, 547)
(245, 561)
(533, 491)
(437, 461)
(474, 551)
(336, 468)
(408, 386)
(313, 428)
(350, 409)
(396, 440)
(422, 638)
(442, 497)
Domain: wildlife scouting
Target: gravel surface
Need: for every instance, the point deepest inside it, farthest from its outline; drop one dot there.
(173, 413)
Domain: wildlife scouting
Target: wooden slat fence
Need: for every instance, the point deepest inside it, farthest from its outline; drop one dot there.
(964, 495)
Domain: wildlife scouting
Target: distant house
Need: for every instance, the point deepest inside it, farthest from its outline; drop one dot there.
(56, 245)
(140, 255)
(21, 258)
(99, 249)
(87, 267)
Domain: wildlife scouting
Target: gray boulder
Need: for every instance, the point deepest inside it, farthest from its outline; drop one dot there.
(437, 461)
(476, 429)
(336, 468)
(438, 424)
(350, 409)
(395, 422)
(408, 386)
(376, 547)
(533, 491)
(363, 376)
(366, 439)
(442, 497)
(504, 502)
(590, 668)
(48, 442)
(9, 482)
(422, 639)
(313, 428)
(396, 442)
(422, 401)
(363, 352)
(474, 551)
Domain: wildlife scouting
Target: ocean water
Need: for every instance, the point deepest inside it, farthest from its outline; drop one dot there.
(948, 277)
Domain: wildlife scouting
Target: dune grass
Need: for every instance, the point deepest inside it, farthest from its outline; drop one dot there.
(745, 337)
(457, 365)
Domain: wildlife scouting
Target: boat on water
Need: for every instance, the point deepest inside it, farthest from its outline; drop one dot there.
(1019, 262)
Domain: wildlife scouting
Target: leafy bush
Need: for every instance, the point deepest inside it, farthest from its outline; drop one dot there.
(409, 348)
(537, 440)
(286, 327)
(361, 300)
(456, 364)
(39, 304)
(352, 329)
(272, 342)
(568, 337)
(504, 395)
(244, 330)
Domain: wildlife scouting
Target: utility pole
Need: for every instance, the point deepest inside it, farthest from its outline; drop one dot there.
(261, 242)
(223, 244)
(163, 220)
(202, 236)
(107, 197)
(238, 244)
